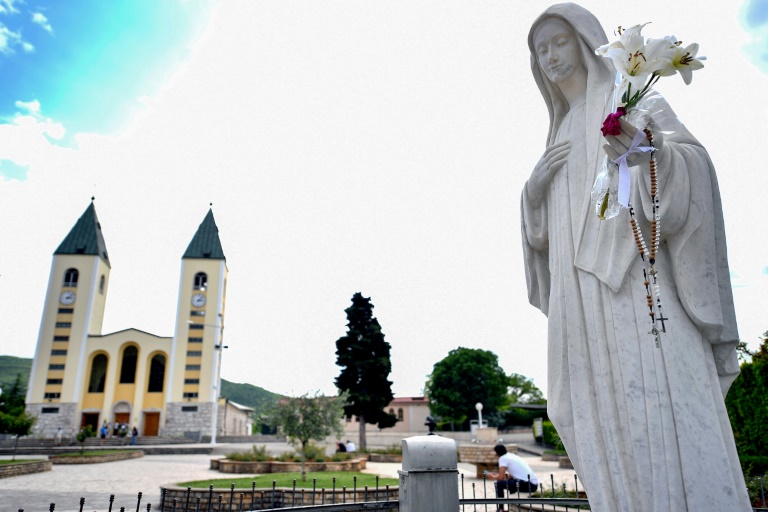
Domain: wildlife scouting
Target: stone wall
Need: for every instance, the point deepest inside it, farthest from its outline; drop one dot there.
(48, 423)
(180, 423)
(25, 468)
(262, 468)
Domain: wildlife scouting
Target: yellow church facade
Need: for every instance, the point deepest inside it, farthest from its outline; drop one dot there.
(163, 386)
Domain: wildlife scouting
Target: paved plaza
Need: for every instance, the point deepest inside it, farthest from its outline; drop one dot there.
(66, 484)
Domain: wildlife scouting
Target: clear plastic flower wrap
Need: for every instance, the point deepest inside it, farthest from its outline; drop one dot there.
(605, 190)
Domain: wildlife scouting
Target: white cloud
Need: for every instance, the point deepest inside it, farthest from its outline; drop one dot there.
(7, 7)
(9, 39)
(33, 107)
(29, 137)
(40, 19)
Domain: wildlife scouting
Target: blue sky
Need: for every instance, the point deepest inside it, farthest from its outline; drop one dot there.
(87, 63)
(347, 146)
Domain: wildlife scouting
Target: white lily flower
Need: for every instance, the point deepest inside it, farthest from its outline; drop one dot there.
(685, 61)
(636, 60)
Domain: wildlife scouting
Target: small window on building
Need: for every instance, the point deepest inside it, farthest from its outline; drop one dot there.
(51, 396)
(190, 395)
(61, 338)
(349, 419)
(195, 340)
(98, 374)
(128, 369)
(156, 374)
(194, 353)
(192, 367)
(191, 381)
(55, 366)
(400, 414)
(54, 381)
(50, 410)
(101, 284)
(198, 312)
(70, 277)
(196, 327)
(58, 352)
(188, 408)
(66, 311)
(200, 281)
(64, 325)
(391, 411)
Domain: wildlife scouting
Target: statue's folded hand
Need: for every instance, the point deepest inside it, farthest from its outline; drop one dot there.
(551, 161)
(620, 144)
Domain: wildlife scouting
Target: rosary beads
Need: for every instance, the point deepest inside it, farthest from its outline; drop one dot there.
(649, 256)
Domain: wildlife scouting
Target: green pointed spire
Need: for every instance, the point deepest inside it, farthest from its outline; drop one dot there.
(206, 244)
(85, 237)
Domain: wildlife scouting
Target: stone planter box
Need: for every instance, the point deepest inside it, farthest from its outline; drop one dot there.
(263, 468)
(482, 456)
(550, 457)
(564, 462)
(385, 457)
(96, 459)
(265, 499)
(25, 468)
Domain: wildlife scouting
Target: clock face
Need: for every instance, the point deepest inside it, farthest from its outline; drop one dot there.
(67, 298)
(198, 300)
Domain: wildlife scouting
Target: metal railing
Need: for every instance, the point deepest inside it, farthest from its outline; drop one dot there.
(472, 498)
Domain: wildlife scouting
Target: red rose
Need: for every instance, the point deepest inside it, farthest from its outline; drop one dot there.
(611, 124)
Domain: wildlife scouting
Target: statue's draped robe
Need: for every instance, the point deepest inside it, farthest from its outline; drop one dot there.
(645, 427)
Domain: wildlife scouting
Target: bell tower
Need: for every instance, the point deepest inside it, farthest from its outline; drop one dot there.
(197, 343)
(73, 310)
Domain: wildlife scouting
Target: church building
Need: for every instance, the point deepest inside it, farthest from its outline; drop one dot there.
(163, 386)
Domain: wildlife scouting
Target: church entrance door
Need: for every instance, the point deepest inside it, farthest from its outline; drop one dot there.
(151, 423)
(122, 417)
(92, 419)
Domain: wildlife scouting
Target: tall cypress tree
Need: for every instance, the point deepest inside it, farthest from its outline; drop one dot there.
(365, 365)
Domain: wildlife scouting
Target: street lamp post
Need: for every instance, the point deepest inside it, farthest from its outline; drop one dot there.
(217, 388)
(479, 408)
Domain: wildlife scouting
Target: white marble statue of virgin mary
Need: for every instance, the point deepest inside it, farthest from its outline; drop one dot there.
(645, 426)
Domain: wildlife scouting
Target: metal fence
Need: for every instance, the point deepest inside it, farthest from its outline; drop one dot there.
(473, 497)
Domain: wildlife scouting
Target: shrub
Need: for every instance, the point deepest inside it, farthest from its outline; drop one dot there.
(551, 437)
(754, 465)
(257, 454)
(393, 449)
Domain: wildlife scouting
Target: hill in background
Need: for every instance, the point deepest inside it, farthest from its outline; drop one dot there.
(246, 394)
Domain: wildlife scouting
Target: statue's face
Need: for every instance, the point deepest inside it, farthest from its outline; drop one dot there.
(557, 50)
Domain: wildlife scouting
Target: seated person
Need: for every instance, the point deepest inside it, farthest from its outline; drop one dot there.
(521, 476)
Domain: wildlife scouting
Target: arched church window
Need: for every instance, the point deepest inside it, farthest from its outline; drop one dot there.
(70, 277)
(400, 414)
(101, 284)
(98, 374)
(156, 374)
(201, 281)
(128, 368)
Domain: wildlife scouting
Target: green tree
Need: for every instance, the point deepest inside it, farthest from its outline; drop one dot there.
(365, 365)
(522, 390)
(463, 378)
(308, 417)
(747, 403)
(14, 419)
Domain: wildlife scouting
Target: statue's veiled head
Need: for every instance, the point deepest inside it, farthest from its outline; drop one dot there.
(580, 33)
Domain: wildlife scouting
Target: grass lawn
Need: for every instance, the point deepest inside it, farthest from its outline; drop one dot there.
(2, 462)
(92, 453)
(324, 479)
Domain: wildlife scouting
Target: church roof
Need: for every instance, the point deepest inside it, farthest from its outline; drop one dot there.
(205, 244)
(85, 237)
